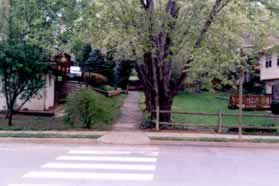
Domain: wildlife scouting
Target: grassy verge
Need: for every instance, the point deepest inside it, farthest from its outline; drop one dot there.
(214, 140)
(45, 135)
(212, 103)
(111, 113)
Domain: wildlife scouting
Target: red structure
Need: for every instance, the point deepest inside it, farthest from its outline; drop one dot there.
(61, 64)
(252, 102)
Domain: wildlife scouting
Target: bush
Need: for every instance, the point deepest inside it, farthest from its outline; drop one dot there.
(98, 64)
(106, 88)
(123, 71)
(275, 107)
(89, 109)
(81, 109)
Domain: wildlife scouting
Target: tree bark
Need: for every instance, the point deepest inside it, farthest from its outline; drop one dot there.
(9, 116)
(10, 121)
(156, 73)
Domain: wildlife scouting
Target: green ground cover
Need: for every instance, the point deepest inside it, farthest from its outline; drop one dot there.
(46, 135)
(111, 107)
(212, 103)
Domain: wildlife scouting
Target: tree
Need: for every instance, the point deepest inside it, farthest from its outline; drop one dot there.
(97, 63)
(48, 24)
(32, 30)
(81, 51)
(175, 39)
(21, 74)
(122, 73)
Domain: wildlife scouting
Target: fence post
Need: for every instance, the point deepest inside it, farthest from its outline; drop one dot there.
(157, 118)
(219, 122)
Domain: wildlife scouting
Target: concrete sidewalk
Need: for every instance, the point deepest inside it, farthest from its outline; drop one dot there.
(126, 130)
(132, 137)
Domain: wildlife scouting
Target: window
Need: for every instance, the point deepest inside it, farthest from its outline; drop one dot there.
(268, 61)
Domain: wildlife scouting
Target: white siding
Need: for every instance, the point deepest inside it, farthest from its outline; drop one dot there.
(269, 73)
(44, 100)
(268, 87)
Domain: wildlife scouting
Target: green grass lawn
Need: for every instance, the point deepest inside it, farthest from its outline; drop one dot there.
(213, 103)
(104, 122)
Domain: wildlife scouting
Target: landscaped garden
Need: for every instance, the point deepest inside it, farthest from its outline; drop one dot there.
(213, 103)
(108, 112)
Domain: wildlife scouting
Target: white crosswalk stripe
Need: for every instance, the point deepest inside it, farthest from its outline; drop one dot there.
(95, 152)
(33, 185)
(99, 166)
(89, 176)
(107, 158)
(93, 164)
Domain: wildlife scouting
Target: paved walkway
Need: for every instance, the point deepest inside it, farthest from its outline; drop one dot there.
(127, 129)
(131, 117)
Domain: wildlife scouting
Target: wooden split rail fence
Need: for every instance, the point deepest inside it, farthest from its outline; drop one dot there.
(219, 125)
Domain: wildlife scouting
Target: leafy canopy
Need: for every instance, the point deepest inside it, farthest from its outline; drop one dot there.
(126, 24)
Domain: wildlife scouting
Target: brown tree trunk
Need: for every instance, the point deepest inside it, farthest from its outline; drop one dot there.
(9, 116)
(158, 88)
(157, 71)
(10, 121)
(166, 105)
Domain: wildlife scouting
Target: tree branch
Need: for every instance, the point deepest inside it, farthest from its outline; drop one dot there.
(218, 6)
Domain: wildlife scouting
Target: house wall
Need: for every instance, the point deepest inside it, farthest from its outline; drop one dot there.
(43, 101)
(268, 87)
(269, 73)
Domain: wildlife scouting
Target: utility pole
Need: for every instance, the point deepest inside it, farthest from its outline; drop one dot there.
(241, 81)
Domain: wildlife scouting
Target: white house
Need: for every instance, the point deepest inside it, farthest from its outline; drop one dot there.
(44, 101)
(269, 61)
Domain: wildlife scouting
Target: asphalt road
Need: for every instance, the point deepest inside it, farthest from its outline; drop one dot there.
(102, 165)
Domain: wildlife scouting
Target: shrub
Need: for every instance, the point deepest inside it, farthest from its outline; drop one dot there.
(81, 109)
(98, 63)
(122, 73)
(275, 107)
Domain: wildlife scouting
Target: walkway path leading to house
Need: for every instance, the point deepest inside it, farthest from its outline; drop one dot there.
(127, 129)
(131, 116)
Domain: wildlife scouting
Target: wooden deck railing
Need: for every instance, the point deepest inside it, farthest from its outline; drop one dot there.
(252, 102)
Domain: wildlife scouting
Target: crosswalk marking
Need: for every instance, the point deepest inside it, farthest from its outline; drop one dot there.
(97, 152)
(121, 148)
(33, 185)
(89, 176)
(108, 158)
(124, 164)
(103, 166)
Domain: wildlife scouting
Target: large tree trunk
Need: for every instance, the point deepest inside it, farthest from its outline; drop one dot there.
(10, 120)
(156, 73)
(158, 88)
(9, 116)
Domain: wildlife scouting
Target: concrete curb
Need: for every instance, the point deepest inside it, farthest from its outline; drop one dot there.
(69, 142)
(56, 132)
(142, 138)
(48, 141)
(217, 144)
(181, 135)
